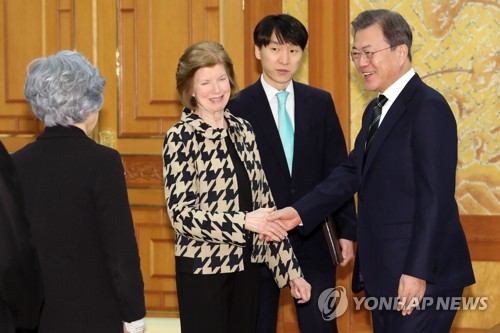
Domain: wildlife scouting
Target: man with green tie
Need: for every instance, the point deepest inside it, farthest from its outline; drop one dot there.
(300, 141)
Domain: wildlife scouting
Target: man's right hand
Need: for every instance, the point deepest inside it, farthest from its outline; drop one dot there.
(288, 216)
(256, 221)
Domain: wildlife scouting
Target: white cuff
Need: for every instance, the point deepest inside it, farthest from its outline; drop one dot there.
(135, 326)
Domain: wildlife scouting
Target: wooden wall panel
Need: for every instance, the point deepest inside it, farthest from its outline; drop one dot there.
(17, 53)
(29, 29)
(66, 25)
(254, 12)
(155, 239)
(329, 49)
(483, 236)
(155, 235)
(152, 36)
(19, 44)
(232, 28)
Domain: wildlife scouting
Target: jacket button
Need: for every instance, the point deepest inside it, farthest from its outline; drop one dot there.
(292, 190)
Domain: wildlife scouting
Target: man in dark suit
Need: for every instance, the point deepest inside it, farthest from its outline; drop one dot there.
(20, 283)
(410, 241)
(296, 161)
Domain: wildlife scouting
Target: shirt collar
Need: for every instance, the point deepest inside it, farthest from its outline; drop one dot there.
(271, 91)
(395, 89)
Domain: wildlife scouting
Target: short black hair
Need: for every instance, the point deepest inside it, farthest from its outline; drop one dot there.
(286, 28)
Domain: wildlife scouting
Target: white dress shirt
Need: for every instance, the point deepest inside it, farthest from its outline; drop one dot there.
(394, 90)
(273, 100)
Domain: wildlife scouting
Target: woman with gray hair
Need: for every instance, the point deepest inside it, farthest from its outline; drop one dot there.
(77, 205)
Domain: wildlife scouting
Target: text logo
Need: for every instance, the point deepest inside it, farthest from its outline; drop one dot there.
(332, 303)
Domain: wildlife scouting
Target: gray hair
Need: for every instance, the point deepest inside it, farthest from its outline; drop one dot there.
(63, 89)
(394, 27)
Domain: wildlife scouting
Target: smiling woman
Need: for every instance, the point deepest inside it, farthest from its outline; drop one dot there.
(218, 200)
(211, 91)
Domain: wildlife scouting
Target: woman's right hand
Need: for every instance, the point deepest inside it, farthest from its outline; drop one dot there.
(256, 221)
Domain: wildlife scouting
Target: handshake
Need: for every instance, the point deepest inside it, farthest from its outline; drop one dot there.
(271, 223)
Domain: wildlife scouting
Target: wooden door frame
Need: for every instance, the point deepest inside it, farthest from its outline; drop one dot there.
(329, 40)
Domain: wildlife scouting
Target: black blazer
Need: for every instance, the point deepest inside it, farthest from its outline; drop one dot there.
(20, 281)
(319, 148)
(78, 209)
(408, 219)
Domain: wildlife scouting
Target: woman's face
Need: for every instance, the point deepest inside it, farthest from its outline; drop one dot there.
(211, 88)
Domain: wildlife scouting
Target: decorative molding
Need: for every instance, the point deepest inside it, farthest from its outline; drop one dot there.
(143, 170)
(107, 138)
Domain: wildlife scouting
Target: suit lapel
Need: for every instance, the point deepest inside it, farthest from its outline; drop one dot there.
(265, 120)
(363, 134)
(302, 120)
(391, 118)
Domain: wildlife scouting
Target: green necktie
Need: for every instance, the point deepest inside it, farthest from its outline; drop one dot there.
(285, 128)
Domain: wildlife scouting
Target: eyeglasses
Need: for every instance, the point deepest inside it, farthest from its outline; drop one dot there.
(356, 55)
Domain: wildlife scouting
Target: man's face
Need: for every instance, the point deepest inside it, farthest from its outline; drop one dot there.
(279, 62)
(386, 66)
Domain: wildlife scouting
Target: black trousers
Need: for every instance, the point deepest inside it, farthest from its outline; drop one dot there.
(430, 319)
(219, 303)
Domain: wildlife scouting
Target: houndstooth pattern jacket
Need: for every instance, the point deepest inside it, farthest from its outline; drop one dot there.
(202, 198)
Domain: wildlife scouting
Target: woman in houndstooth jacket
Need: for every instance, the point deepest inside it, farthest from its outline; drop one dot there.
(218, 200)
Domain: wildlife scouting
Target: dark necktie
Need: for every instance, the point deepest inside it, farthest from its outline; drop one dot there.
(372, 129)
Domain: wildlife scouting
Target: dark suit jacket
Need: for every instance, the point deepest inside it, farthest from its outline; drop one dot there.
(20, 281)
(78, 209)
(407, 215)
(319, 147)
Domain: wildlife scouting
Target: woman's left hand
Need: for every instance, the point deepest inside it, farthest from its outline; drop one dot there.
(301, 290)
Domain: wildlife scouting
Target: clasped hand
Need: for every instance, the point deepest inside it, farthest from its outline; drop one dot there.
(301, 290)
(290, 218)
(257, 221)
